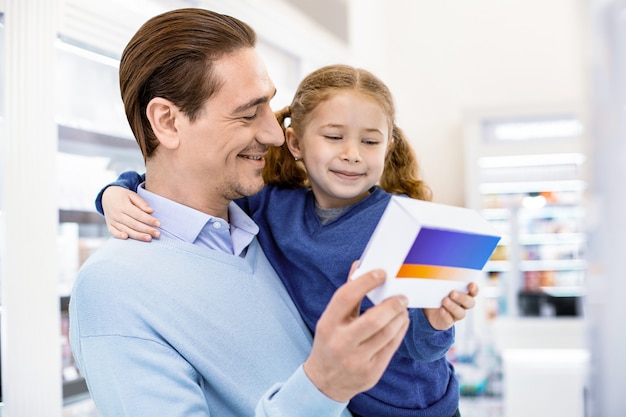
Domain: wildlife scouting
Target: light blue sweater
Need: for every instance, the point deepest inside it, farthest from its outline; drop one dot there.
(126, 311)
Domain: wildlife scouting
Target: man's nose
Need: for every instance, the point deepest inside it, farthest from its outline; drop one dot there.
(270, 133)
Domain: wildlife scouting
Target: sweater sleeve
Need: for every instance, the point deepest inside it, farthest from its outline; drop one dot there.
(298, 396)
(422, 342)
(150, 380)
(128, 179)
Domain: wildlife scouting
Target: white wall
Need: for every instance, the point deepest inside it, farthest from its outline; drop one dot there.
(447, 58)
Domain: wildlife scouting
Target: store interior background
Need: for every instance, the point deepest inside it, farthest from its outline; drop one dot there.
(477, 84)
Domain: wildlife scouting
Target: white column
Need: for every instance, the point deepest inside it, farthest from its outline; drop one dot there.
(606, 283)
(31, 356)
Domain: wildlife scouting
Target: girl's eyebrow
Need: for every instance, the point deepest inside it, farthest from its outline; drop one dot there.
(367, 129)
(373, 129)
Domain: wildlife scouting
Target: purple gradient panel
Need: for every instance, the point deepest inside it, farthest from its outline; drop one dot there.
(450, 248)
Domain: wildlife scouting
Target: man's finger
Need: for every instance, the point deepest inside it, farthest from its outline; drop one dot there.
(385, 352)
(381, 319)
(353, 268)
(348, 297)
(385, 329)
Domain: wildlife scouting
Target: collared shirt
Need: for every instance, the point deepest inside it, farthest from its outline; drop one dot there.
(190, 225)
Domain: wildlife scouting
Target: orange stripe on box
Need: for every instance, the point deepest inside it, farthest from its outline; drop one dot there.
(433, 272)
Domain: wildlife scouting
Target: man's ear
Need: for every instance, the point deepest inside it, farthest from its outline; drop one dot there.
(293, 143)
(162, 115)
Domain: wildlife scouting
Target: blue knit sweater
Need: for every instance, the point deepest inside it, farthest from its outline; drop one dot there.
(313, 260)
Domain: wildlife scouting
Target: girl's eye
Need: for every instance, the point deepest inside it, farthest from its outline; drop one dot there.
(370, 142)
(332, 137)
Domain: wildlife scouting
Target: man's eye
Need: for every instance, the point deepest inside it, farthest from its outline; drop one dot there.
(250, 118)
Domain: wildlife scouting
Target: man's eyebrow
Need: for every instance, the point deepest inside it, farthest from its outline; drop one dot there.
(253, 103)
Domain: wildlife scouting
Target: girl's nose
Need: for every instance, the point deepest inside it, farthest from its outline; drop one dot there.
(351, 153)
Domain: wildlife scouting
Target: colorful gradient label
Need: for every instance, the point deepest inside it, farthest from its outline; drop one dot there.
(446, 255)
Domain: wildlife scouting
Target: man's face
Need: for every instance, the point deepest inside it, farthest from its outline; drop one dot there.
(225, 146)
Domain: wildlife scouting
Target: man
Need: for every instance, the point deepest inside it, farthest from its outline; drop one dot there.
(197, 323)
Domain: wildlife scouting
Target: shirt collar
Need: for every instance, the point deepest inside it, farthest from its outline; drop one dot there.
(242, 227)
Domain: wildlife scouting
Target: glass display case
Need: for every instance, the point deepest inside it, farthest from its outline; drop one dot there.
(527, 177)
(95, 146)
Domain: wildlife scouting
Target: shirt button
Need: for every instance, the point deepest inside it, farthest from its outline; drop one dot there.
(217, 225)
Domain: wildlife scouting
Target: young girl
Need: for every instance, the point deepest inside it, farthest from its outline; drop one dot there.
(327, 187)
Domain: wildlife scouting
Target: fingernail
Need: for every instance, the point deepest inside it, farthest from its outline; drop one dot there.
(157, 224)
(404, 301)
(378, 274)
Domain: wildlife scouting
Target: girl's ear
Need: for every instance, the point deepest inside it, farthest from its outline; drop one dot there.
(293, 143)
(162, 115)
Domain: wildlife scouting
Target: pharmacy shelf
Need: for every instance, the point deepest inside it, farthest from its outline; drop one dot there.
(525, 175)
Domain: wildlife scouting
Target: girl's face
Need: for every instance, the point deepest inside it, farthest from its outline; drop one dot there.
(343, 147)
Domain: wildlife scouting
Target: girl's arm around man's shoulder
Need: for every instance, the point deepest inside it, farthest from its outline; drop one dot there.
(127, 179)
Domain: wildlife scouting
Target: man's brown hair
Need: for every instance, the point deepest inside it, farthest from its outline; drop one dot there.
(172, 56)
